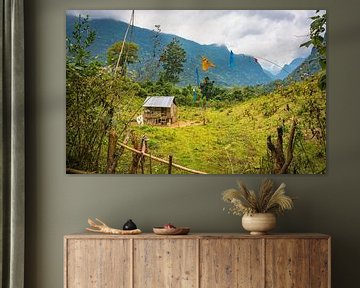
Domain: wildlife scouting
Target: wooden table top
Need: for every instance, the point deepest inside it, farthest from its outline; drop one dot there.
(89, 235)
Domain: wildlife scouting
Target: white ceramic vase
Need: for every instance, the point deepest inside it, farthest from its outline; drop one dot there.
(259, 223)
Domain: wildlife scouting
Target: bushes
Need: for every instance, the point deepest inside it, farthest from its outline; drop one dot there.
(95, 104)
(183, 95)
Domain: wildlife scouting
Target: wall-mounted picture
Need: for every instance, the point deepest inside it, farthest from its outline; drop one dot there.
(196, 92)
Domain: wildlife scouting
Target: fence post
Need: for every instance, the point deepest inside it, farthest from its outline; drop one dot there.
(150, 164)
(170, 163)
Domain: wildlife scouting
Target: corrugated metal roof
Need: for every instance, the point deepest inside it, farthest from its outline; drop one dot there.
(159, 101)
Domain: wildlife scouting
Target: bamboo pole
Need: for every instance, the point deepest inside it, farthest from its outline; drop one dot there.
(76, 171)
(118, 154)
(123, 43)
(162, 160)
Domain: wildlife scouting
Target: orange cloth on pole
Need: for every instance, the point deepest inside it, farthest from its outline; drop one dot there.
(206, 64)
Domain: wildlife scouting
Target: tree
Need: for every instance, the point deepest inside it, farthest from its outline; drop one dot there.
(82, 38)
(150, 70)
(173, 59)
(156, 41)
(207, 88)
(318, 39)
(129, 54)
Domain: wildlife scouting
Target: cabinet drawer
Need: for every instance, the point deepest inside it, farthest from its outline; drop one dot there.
(231, 263)
(165, 263)
(98, 263)
(297, 263)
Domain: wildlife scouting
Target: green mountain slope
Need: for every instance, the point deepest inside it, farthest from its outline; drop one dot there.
(309, 66)
(288, 68)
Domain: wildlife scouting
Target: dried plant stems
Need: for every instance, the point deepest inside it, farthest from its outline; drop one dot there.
(101, 227)
(245, 201)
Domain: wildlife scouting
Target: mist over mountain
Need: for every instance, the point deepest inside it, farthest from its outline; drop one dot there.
(244, 70)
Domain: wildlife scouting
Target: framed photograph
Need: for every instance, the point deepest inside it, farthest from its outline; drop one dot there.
(196, 92)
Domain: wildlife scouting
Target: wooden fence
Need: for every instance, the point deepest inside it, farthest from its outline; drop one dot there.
(142, 154)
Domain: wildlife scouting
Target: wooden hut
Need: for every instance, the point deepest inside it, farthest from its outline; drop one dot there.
(160, 110)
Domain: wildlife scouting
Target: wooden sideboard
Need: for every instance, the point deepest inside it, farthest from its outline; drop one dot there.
(197, 260)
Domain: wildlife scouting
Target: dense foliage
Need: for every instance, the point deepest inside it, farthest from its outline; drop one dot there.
(96, 101)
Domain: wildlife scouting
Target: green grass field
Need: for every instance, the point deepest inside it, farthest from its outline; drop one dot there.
(233, 140)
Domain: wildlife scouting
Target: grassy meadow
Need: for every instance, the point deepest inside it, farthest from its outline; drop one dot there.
(234, 138)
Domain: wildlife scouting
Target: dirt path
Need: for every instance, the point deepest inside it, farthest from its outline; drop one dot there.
(181, 124)
(178, 124)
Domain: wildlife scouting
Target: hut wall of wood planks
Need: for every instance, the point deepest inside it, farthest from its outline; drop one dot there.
(160, 110)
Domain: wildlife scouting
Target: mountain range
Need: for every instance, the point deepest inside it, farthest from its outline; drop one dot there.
(243, 71)
(308, 67)
(288, 68)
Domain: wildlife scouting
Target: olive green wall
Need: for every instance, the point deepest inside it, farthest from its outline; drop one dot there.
(58, 204)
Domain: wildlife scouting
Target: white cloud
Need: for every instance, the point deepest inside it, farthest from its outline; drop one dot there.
(274, 35)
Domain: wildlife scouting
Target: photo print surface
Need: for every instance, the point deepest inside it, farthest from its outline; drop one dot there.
(196, 92)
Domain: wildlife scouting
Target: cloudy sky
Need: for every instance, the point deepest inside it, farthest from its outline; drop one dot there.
(274, 35)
